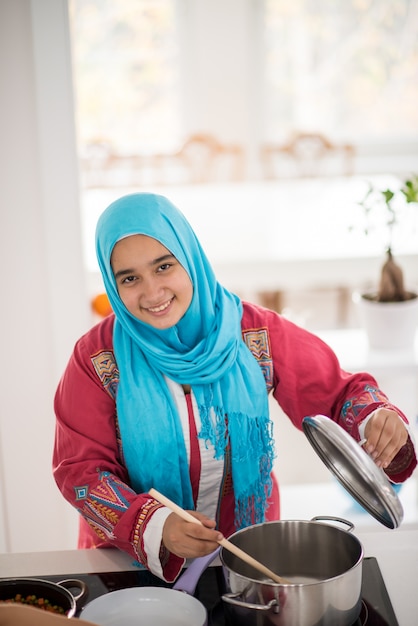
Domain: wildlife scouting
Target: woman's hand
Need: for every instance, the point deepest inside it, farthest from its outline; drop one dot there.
(385, 433)
(189, 540)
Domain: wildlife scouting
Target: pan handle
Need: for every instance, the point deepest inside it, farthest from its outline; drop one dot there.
(329, 518)
(188, 581)
(74, 583)
(234, 598)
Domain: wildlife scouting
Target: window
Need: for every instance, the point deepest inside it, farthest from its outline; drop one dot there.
(345, 68)
(126, 75)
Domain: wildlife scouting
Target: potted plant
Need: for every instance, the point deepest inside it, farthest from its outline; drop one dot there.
(390, 314)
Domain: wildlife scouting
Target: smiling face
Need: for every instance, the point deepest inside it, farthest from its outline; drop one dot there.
(151, 283)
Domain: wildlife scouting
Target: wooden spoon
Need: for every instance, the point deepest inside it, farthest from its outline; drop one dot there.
(224, 542)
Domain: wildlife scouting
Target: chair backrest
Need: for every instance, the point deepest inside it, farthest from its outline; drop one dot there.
(206, 159)
(307, 155)
(201, 159)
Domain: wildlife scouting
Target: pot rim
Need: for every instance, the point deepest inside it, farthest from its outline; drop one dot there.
(44, 584)
(368, 298)
(304, 522)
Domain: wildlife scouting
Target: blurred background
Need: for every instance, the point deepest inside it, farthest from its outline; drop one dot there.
(148, 74)
(265, 121)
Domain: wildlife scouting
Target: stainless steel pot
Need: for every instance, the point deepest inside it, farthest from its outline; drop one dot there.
(56, 593)
(323, 562)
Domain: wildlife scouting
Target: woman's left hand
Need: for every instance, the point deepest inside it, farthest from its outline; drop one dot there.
(385, 433)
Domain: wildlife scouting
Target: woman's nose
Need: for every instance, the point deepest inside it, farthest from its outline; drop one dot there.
(151, 289)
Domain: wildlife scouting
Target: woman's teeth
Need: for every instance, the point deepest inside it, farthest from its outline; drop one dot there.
(158, 309)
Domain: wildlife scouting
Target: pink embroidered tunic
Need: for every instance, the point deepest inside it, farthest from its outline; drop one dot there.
(301, 372)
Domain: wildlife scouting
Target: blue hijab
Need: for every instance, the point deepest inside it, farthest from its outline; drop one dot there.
(205, 349)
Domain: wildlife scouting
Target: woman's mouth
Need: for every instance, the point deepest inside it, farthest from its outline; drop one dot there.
(161, 307)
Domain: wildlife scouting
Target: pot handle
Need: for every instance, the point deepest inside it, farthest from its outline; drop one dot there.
(329, 518)
(234, 598)
(188, 581)
(71, 583)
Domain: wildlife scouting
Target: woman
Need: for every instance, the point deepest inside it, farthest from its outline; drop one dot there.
(171, 392)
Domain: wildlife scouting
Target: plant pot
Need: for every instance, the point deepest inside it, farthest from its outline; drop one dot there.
(389, 325)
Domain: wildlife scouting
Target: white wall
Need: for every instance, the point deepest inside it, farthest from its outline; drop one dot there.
(44, 306)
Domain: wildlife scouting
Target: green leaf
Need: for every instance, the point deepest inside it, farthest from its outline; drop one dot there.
(410, 189)
(388, 195)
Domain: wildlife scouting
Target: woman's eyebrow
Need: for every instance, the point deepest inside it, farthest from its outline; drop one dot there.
(123, 273)
(160, 259)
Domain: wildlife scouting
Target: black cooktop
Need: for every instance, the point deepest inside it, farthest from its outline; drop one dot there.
(376, 610)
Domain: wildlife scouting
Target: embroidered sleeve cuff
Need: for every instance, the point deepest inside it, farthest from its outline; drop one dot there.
(160, 561)
(403, 464)
(405, 461)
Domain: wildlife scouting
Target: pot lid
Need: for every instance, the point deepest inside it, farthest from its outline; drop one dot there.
(354, 469)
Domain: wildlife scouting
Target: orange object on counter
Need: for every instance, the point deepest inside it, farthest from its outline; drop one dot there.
(101, 305)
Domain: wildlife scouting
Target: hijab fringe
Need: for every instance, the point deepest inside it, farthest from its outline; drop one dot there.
(252, 445)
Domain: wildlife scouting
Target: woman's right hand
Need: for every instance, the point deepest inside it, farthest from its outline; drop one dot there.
(189, 540)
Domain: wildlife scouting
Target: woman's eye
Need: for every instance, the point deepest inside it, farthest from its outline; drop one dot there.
(164, 266)
(128, 279)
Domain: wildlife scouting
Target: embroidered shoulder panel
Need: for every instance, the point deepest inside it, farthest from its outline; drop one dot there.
(258, 342)
(105, 366)
(106, 369)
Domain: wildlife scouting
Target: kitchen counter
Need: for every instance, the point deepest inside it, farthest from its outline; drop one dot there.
(397, 554)
(395, 550)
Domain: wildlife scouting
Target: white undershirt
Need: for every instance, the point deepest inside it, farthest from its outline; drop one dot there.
(211, 475)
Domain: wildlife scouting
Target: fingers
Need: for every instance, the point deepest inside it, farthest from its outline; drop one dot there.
(189, 540)
(385, 435)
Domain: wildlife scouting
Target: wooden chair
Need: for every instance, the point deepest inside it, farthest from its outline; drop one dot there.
(307, 155)
(95, 161)
(205, 159)
(201, 159)
(103, 167)
(319, 307)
